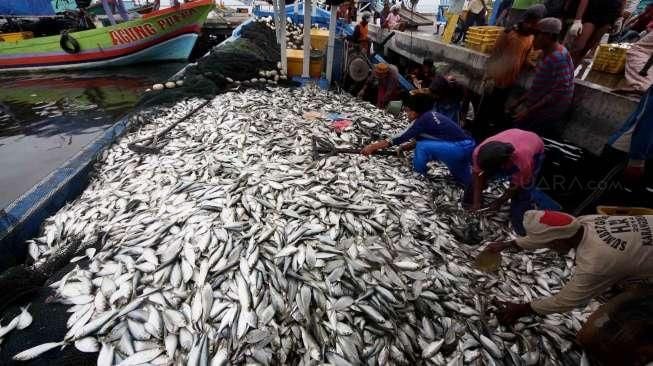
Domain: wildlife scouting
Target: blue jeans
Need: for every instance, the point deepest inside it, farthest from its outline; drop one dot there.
(524, 201)
(456, 155)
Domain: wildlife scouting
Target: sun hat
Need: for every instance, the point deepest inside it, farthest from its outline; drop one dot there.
(381, 70)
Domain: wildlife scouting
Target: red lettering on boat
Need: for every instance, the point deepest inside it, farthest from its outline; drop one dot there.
(149, 29)
(114, 38)
(132, 34)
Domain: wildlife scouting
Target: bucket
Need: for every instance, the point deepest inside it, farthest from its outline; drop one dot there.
(296, 61)
(315, 68)
(319, 39)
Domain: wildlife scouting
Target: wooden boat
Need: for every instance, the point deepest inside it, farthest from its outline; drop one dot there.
(164, 35)
(132, 7)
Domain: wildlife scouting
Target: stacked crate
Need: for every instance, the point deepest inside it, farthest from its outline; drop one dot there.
(482, 39)
(611, 58)
(15, 37)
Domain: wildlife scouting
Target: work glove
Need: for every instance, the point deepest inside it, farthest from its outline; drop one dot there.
(576, 28)
(509, 312)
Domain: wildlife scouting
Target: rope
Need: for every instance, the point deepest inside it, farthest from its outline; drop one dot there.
(147, 148)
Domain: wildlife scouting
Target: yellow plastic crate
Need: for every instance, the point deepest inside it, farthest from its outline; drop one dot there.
(611, 58)
(487, 38)
(485, 30)
(15, 37)
(480, 47)
(296, 64)
(610, 69)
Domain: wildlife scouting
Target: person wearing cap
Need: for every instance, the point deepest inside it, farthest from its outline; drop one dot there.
(360, 35)
(434, 137)
(517, 10)
(545, 105)
(610, 250)
(508, 60)
(514, 153)
(393, 20)
(382, 86)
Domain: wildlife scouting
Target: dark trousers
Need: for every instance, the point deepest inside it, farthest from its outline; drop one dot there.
(475, 19)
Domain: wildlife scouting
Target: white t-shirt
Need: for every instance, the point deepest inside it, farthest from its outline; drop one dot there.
(614, 249)
(476, 6)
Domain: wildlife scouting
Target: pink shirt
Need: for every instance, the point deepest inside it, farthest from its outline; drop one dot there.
(393, 20)
(527, 146)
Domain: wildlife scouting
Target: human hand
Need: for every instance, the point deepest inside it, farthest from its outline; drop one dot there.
(400, 151)
(374, 147)
(576, 28)
(509, 312)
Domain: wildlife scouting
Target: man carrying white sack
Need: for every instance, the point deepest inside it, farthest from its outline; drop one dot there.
(610, 250)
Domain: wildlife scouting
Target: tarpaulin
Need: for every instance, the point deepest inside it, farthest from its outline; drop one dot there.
(26, 7)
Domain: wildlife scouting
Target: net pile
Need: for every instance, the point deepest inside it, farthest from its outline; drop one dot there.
(240, 59)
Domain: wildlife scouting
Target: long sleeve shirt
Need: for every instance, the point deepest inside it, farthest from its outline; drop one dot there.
(431, 125)
(553, 83)
(613, 250)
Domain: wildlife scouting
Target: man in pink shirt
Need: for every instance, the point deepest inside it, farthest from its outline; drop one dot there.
(515, 153)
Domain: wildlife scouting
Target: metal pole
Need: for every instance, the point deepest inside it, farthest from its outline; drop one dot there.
(307, 38)
(282, 35)
(332, 41)
(275, 5)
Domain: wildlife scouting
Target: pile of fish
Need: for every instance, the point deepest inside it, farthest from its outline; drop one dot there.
(233, 246)
(19, 322)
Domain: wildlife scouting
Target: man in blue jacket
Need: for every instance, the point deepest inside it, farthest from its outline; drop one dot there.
(434, 137)
(635, 138)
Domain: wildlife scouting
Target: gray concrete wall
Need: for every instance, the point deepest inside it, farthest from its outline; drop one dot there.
(597, 112)
(468, 65)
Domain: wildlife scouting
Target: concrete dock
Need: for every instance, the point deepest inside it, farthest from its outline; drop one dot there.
(597, 112)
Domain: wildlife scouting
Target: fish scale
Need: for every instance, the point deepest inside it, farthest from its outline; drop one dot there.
(245, 250)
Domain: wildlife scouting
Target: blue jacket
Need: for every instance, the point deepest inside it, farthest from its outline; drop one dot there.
(637, 132)
(434, 126)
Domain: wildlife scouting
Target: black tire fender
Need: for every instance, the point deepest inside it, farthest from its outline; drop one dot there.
(68, 43)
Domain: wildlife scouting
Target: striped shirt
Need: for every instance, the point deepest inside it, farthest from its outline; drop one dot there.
(554, 82)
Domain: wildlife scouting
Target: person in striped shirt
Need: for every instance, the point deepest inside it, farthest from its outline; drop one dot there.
(549, 98)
